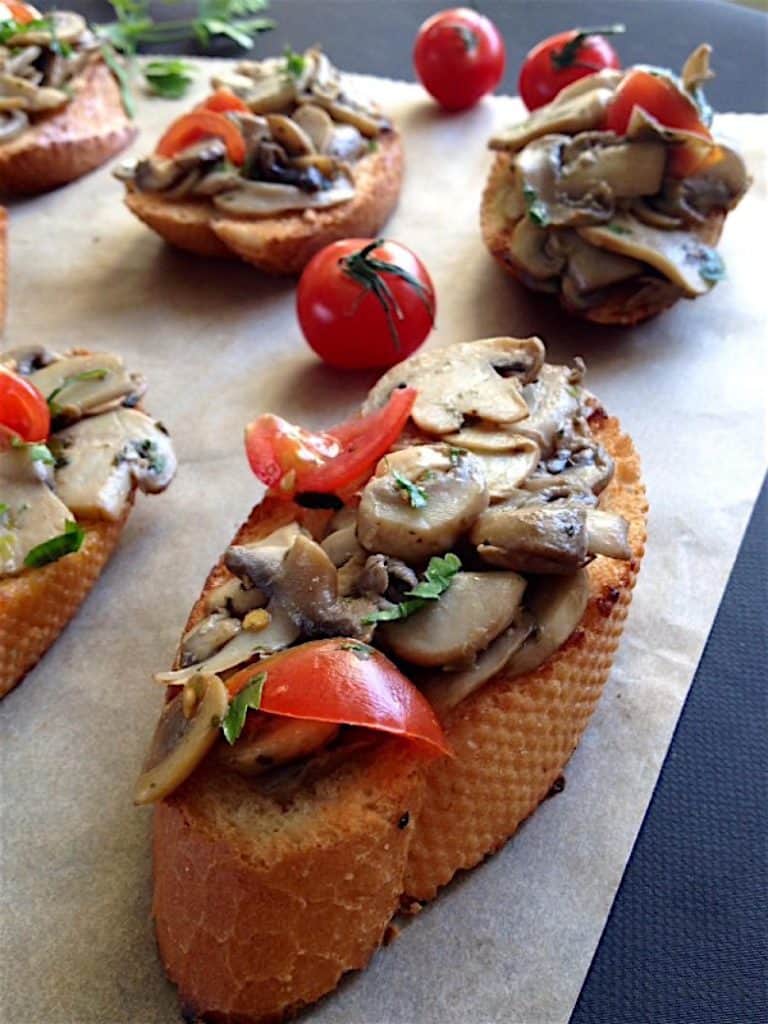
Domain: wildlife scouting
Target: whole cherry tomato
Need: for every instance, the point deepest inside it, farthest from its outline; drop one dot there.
(23, 409)
(202, 124)
(459, 57)
(559, 60)
(365, 303)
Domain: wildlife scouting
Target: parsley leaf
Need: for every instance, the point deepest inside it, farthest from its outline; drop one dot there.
(55, 548)
(249, 697)
(536, 209)
(170, 77)
(417, 496)
(41, 453)
(98, 373)
(437, 579)
(361, 651)
(619, 229)
(294, 63)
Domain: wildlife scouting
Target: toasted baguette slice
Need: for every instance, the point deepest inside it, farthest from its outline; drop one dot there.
(621, 303)
(36, 605)
(70, 142)
(263, 899)
(284, 243)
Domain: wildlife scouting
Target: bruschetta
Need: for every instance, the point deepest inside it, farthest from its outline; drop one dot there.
(280, 160)
(61, 110)
(612, 197)
(388, 669)
(73, 449)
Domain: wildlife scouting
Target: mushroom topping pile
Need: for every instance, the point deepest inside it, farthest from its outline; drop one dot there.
(39, 61)
(100, 448)
(592, 208)
(437, 560)
(302, 132)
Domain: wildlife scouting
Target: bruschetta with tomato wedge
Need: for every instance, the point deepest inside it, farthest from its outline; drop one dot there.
(612, 197)
(73, 450)
(388, 669)
(282, 159)
(61, 109)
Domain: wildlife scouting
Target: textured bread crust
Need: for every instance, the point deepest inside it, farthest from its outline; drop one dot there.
(617, 306)
(260, 907)
(3, 268)
(285, 243)
(36, 605)
(71, 142)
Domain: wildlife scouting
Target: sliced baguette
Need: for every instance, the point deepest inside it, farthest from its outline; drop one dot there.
(262, 902)
(284, 243)
(620, 303)
(70, 142)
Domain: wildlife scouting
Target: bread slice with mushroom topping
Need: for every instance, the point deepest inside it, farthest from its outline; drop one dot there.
(273, 879)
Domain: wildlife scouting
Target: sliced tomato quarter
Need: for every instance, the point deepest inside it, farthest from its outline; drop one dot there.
(23, 409)
(222, 101)
(347, 682)
(203, 124)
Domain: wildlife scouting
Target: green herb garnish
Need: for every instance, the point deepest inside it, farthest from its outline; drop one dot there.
(618, 229)
(536, 209)
(295, 63)
(358, 648)
(170, 78)
(55, 548)
(98, 373)
(147, 450)
(417, 496)
(249, 697)
(456, 455)
(40, 453)
(437, 579)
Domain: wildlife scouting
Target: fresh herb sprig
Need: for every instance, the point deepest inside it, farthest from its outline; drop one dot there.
(169, 77)
(417, 496)
(249, 697)
(437, 579)
(52, 550)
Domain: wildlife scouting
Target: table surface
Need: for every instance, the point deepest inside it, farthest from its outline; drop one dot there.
(687, 934)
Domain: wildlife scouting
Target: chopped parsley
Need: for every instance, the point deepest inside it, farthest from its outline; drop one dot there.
(249, 697)
(41, 453)
(437, 579)
(52, 550)
(456, 455)
(619, 229)
(169, 77)
(358, 648)
(294, 63)
(535, 208)
(147, 450)
(417, 496)
(98, 373)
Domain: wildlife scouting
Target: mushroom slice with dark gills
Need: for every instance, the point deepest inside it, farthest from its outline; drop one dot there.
(207, 637)
(577, 463)
(101, 458)
(79, 385)
(475, 609)
(420, 501)
(554, 400)
(480, 379)
(305, 585)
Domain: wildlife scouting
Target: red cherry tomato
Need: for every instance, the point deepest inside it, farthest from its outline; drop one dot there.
(559, 60)
(459, 57)
(222, 101)
(202, 124)
(23, 409)
(365, 304)
(21, 13)
(291, 460)
(346, 682)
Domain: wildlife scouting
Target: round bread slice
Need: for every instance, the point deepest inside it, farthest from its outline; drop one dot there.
(264, 899)
(284, 243)
(70, 142)
(621, 304)
(37, 604)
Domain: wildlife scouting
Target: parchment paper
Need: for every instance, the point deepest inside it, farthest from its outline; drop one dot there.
(512, 940)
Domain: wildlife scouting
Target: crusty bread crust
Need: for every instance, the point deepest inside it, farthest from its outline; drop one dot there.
(616, 307)
(36, 605)
(3, 268)
(285, 243)
(71, 142)
(260, 907)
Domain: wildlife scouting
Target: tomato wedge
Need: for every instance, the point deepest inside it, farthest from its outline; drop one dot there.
(202, 124)
(21, 13)
(222, 101)
(23, 409)
(291, 460)
(346, 682)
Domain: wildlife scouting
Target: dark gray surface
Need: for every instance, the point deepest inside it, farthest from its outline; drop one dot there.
(376, 36)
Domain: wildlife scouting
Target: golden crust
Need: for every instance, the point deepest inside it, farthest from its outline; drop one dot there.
(3, 268)
(616, 307)
(260, 907)
(36, 605)
(285, 243)
(71, 142)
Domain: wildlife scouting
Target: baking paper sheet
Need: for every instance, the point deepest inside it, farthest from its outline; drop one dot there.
(512, 940)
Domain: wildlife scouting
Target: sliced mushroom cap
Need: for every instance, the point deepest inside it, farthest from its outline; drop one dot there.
(36, 98)
(341, 545)
(235, 596)
(557, 604)
(260, 561)
(531, 248)
(467, 618)
(454, 493)
(552, 403)
(346, 143)
(12, 124)
(506, 471)
(67, 28)
(289, 134)
(281, 632)
(28, 358)
(80, 385)
(445, 690)
(587, 268)
(263, 85)
(584, 466)
(480, 379)
(626, 168)
(607, 534)
(546, 539)
(696, 70)
(316, 123)
(32, 513)
(181, 743)
(264, 199)
(207, 637)
(214, 182)
(274, 741)
(539, 178)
